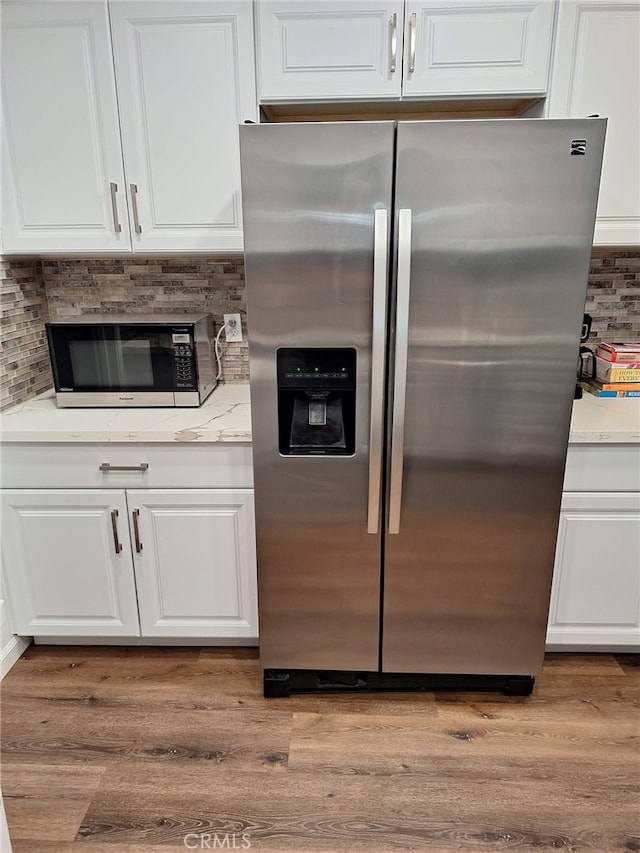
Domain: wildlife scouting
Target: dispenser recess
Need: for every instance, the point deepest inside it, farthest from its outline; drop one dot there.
(316, 401)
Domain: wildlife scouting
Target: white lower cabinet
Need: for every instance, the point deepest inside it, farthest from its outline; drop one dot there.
(67, 563)
(194, 562)
(118, 563)
(595, 598)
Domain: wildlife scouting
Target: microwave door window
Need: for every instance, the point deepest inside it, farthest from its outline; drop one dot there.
(94, 364)
(112, 365)
(135, 364)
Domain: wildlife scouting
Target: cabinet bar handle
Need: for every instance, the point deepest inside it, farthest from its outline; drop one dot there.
(412, 42)
(114, 208)
(134, 204)
(106, 467)
(136, 531)
(114, 525)
(393, 42)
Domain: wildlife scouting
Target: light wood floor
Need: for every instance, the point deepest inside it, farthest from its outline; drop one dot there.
(110, 750)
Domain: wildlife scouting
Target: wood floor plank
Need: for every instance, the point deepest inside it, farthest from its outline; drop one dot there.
(306, 811)
(39, 846)
(581, 664)
(630, 663)
(151, 679)
(47, 802)
(470, 707)
(343, 743)
(35, 730)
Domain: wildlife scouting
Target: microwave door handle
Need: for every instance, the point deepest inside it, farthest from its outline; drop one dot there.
(376, 415)
(400, 370)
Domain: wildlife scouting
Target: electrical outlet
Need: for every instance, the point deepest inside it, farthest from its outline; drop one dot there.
(233, 332)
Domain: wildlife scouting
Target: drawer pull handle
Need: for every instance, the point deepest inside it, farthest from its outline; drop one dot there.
(114, 526)
(106, 467)
(136, 531)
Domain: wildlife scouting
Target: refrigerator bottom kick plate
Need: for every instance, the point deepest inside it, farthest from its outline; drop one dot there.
(284, 682)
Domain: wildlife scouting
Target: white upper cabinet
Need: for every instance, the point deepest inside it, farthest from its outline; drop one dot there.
(185, 77)
(475, 48)
(596, 71)
(63, 180)
(359, 49)
(329, 50)
(184, 73)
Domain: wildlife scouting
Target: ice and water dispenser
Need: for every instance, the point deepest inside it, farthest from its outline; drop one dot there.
(316, 401)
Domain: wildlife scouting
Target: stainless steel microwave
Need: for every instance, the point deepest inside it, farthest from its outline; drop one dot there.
(132, 360)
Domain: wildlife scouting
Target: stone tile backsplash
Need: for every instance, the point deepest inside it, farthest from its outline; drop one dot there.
(24, 356)
(31, 291)
(613, 295)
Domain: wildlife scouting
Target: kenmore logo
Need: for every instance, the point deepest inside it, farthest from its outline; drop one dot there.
(578, 146)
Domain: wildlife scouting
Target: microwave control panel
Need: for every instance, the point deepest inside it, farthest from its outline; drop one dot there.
(184, 371)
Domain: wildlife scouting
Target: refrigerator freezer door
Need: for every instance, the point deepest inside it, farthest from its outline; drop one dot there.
(501, 229)
(310, 193)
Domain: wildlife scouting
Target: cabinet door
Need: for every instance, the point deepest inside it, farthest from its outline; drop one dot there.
(63, 181)
(596, 585)
(328, 49)
(596, 71)
(185, 75)
(194, 555)
(67, 563)
(471, 48)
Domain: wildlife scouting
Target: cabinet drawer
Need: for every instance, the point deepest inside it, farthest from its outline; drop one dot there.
(606, 467)
(61, 466)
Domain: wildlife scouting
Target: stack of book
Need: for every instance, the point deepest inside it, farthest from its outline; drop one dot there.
(617, 370)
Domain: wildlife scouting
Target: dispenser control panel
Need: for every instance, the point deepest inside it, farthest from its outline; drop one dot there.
(317, 368)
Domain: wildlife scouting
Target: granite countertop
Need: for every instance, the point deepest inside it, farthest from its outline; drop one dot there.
(226, 417)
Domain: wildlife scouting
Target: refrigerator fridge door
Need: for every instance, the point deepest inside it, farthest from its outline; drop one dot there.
(316, 219)
(495, 223)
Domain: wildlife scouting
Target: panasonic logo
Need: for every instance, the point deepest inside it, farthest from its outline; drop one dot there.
(125, 398)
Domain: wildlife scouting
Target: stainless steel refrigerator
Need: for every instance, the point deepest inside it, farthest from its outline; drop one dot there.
(415, 297)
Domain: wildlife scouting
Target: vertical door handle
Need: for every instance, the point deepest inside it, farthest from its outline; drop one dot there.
(400, 370)
(136, 531)
(393, 42)
(376, 423)
(114, 208)
(134, 206)
(412, 42)
(114, 527)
